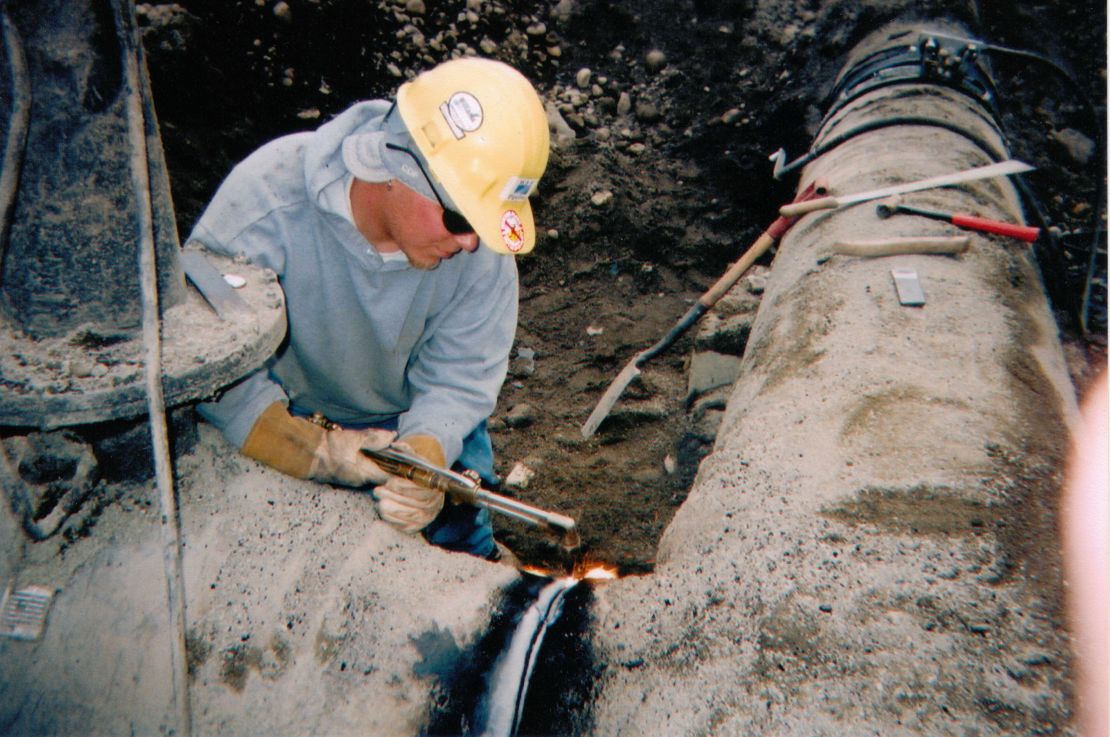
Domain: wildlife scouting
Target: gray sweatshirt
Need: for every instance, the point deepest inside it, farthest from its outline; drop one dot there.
(368, 338)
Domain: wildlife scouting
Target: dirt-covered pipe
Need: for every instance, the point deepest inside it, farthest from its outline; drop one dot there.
(870, 548)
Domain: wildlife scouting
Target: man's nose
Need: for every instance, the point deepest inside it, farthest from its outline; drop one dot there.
(467, 242)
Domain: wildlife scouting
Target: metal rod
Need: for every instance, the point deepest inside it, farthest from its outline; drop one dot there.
(170, 525)
(18, 124)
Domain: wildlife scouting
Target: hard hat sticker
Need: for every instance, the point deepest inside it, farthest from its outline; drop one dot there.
(512, 231)
(463, 113)
(518, 188)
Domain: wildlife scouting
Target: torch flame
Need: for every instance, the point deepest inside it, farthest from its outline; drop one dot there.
(599, 573)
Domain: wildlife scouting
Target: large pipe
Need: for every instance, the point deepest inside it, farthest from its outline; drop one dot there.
(870, 547)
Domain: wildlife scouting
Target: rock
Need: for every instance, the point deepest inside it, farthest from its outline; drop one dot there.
(536, 29)
(651, 410)
(647, 112)
(1078, 146)
(601, 198)
(520, 476)
(561, 131)
(562, 10)
(705, 428)
(487, 46)
(725, 334)
(655, 60)
(757, 283)
(709, 370)
(416, 7)
(524, 364)
(730, 116)
(283, 12)
(582, 78)
(624, 104)
(521, 415)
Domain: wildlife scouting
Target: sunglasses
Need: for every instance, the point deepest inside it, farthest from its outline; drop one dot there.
(453, 221)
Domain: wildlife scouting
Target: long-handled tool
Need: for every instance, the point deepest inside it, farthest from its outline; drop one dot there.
(963, 220)
(968, 175)
(463, 488)
(704, 303)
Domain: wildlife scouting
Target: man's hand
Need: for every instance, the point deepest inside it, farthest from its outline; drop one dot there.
(406, 505)
(307, 451)
(338, 458)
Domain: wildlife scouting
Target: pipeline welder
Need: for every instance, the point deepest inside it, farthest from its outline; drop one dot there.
(392, 230)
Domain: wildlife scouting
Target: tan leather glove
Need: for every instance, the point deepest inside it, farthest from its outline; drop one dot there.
(408, 506)
(305, 450)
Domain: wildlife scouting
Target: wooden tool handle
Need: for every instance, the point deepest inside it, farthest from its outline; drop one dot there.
(900, 246)
(801, 208)
(730, 277)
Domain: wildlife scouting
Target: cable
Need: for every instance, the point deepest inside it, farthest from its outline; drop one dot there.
(1100, 147)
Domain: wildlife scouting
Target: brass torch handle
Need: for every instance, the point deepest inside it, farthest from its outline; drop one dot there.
(465, 489)
(415, 469)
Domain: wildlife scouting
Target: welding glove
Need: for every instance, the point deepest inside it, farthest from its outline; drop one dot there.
(306, 450)
(408, 506)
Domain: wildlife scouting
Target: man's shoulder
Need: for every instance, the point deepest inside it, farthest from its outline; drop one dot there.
(282, 159)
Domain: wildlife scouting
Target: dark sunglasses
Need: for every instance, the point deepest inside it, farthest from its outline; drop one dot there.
(453, 221)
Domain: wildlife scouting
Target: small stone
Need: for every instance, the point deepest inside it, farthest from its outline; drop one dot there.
(647, 112)
(669, 465)
(826, 608)
(655, 60)
(636, 149)
(730, 116)
(283, 12)
(416, 7)
(1078, 146)
(624, 104)
(536, 29)
(521, 415)
(524, 364)
(601, 198)
(582, 78)
(487, 46)
(592, 330)
(520, 476)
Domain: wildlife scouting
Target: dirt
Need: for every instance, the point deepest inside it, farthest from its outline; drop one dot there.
(686, 166)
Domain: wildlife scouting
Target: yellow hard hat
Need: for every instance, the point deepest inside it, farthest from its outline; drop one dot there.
(481, 128)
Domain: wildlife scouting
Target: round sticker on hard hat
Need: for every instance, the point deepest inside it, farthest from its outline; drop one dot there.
(512, 231)
(463, 113)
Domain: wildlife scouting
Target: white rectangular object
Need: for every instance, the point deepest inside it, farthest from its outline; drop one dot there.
(23, 612)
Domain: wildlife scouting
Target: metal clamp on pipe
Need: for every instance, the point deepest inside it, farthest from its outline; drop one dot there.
(465, 488)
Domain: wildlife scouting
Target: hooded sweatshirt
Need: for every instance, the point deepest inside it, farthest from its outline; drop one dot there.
(369, 338)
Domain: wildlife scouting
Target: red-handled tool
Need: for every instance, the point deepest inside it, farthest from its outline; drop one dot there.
(1025, 233)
